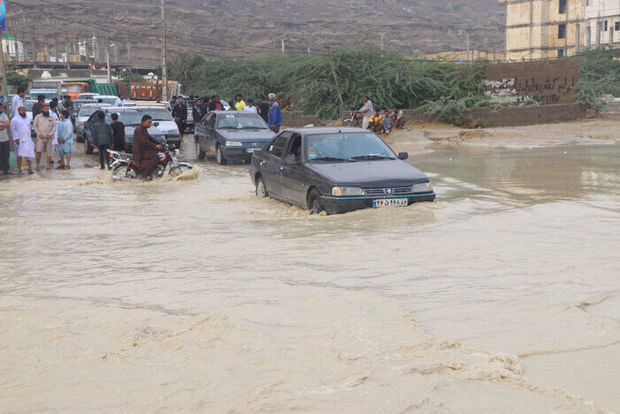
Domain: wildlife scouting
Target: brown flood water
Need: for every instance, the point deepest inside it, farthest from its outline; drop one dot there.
(503, 296)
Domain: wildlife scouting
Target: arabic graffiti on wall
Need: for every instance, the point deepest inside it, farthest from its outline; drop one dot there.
(546, 82)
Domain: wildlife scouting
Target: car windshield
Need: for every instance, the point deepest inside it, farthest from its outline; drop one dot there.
(28, 105)
(73, 88)
(89, 110)
(107, 99)
(347, 147)
(128, 118)
(48, 95)
(240, 121)
(159, 114)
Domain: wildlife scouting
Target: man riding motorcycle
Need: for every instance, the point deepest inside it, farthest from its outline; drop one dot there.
(145, 148)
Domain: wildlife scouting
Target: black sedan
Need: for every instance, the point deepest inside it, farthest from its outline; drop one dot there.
(231, 135)
(336, 170)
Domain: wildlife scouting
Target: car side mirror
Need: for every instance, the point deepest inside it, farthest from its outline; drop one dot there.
(156, 124)
(403, 156)
(291, 159)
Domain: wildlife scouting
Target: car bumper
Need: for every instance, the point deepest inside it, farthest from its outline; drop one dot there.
(239, 154)
(336, 205)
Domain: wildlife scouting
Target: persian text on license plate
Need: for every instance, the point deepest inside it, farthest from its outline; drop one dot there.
(393, 202)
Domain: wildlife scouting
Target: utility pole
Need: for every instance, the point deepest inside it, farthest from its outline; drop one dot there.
(467, 39)
(164, 67)
(331, 64)
(107, 60)
(34, 46)
(129, 53)
(283, 47)
(5, 91)
(382, 41)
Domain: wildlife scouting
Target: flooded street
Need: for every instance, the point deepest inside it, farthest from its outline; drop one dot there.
(193, 296)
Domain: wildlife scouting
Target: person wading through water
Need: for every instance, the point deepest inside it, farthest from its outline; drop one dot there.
(179, 113)
(145, 148)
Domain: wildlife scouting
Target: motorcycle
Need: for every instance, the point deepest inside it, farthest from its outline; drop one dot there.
(355, 121)
(123, 166)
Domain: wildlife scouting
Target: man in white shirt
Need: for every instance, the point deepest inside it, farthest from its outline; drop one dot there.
(120, 101)
(367, 111)
(250, 107)
(18, 101)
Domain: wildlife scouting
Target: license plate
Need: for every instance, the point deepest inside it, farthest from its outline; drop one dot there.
(251, 150)
(393, 202)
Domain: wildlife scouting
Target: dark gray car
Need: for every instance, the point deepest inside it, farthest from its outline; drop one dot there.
(231, 135)
(336, 170)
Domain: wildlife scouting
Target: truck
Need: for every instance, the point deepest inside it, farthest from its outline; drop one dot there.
(151, 90)
(44, 84)
(75, 87)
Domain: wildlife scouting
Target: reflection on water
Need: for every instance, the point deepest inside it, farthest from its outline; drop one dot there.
(195, 296)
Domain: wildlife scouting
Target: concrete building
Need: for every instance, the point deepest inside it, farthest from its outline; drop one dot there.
(538, 29)
(13, 49)
(602, 23)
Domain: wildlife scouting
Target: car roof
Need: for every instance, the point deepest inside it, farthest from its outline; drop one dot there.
(97, 105)
(326, 130)
(82, 100)
(232, 112)
(107, 96)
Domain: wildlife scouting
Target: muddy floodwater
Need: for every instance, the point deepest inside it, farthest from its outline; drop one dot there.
(192, 296)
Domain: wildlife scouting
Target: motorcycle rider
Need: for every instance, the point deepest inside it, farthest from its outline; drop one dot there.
(145, 148)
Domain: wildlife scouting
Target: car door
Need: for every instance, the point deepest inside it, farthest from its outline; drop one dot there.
(292, 177)
(271, 165)
(201, 131)
(210, 134)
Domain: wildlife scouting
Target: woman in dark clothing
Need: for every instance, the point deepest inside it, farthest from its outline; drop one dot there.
(102, 138)
(118, 134)
(145, 148)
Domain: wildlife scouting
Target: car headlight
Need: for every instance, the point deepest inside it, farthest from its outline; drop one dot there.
(347, 191)
(234, 144)
(422, 188)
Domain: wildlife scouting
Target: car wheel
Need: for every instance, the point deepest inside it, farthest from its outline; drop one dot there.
(219, 156)
(261, 190)
(88, 149)
(314, 202)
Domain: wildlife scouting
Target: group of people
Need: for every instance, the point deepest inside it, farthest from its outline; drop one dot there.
(268, 108)
(50, 131)
(381, 122)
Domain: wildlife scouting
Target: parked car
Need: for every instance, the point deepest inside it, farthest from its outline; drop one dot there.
(231, 135)
(88, 95)
(131, 118)
(164, 122)
(28, 104)
(336, 170)
(107, 99)
(48, 93)
(82, 116)
(77, 105)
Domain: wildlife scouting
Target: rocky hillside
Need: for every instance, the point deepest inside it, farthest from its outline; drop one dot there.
(241, 28)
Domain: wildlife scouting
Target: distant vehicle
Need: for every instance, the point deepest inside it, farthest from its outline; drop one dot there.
(107, 99)
(85, 112)
(336, 170)
(74, 89)
(50, 85)
(28, 104)
(191, 103)
(231, 135)
(48, 93)
(88, 95)
(164, 122)
(128, 104)
(77, 105)
(131, 118)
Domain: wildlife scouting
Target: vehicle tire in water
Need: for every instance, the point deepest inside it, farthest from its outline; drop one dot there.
(261, 190)
(219, 156)
(175, 172)
(119, 171)
(314, 202)
(132, 172)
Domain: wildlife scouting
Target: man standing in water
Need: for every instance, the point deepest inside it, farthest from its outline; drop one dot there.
(366, 110)
(145, 148)
(5, 145)
(65, 141)
(45, 128)
(275, 114)
(22, 135)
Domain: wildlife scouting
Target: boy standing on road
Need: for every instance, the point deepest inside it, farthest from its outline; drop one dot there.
(65, 140)
(118, 134)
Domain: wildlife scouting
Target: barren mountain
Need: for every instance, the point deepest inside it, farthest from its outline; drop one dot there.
(245, 28)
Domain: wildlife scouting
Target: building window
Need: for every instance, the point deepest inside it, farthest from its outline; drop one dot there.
(562, 31)
(605, 25)
(617, 28)
(563, 6)
(560, 53)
